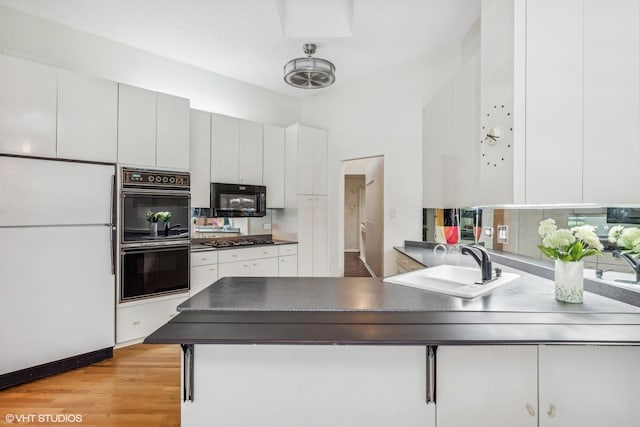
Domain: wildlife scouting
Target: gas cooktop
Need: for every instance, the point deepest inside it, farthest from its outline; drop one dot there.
(227, 243)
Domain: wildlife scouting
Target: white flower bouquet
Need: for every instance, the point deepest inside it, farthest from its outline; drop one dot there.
(157, 216)
(627, 238)
(568, 245)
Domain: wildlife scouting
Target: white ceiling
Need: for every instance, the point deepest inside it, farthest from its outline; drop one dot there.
(245, 39)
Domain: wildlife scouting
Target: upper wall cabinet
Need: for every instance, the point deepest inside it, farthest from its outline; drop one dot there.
(312, 147)
(450, 146)
(137, 126)
(273, 165)
(87, 118)
(567, 73)
(153, 129)
(200, 135)
(236, 150)
(28, 94)
(611, 139)
(250, 153)
(172, 139)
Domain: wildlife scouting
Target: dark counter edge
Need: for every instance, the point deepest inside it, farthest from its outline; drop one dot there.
(541, 269)
(405, 328)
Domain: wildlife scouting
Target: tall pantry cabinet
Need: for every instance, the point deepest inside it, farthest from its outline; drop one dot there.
(306, 195)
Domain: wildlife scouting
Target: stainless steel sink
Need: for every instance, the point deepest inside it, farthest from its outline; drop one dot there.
(450, 280)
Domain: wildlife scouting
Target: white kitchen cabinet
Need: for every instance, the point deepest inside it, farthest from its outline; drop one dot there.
(312, 235)
(236, 151)
(225, 134)
(545, 385)
(235, 269)
(136, 321)
(204, 270)
(172, 136)
(87, 118)
(554, 101)
(260, 261)
(273, 166)
(589, 386)
(572, 75)
(153, 129)
(309, 385)
(450, 146)
(250, 153)
(264, 267)
(489, 386)
(28, 96)
(288, 266)
(136, 126)
(611, 100)
(290, 249)
(200, 151)
(312, 146)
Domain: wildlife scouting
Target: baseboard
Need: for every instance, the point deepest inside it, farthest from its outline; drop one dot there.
(128, 343)
(47, 369)
(352, 250)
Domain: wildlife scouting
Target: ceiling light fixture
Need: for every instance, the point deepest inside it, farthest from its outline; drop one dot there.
(309, 72)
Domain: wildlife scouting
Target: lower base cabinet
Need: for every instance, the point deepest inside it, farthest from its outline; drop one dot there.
(134, 322)
(546, 386)
(310, 386)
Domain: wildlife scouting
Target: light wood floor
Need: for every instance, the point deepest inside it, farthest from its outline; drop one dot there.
(140, 386)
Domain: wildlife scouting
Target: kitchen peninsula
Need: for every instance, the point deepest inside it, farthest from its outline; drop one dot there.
(358, 351)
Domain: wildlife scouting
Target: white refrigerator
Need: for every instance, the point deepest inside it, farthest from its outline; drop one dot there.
(57, 285)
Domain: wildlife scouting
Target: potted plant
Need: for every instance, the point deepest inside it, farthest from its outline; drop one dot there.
(568, 247)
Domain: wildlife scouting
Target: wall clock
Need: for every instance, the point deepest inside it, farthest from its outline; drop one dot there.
(496, 136)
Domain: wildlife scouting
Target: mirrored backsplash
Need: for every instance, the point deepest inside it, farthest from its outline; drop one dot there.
(213, 228)
(516, 230)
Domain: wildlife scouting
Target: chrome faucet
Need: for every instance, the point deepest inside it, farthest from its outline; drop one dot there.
(634, 263)
(484, 261)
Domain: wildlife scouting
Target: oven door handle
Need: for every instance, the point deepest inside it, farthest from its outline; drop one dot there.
(143, 249)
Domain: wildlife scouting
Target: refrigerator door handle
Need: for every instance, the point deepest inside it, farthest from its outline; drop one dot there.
(113, 214)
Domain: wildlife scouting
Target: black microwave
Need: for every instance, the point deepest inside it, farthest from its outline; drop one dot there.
(623, 215)
(238, 200)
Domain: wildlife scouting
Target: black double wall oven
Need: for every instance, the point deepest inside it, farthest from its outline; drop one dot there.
(155, 233)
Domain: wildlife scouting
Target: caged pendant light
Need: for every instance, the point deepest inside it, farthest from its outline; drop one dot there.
(309, 72)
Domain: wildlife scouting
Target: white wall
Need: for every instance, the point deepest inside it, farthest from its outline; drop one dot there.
(36, 39)
(382, 115)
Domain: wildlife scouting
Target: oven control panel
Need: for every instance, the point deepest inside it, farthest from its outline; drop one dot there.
(147, 178)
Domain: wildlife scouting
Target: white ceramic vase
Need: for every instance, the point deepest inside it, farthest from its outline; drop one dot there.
(569, 280)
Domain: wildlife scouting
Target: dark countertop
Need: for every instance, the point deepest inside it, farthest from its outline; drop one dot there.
(301, 310)
(199, 247)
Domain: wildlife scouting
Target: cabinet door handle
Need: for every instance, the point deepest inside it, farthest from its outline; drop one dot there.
(212, 269)
(530, 410)
(431, 373)
(552, 410)
(203, 259)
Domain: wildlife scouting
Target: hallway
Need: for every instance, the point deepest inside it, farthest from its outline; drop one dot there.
(353, 267)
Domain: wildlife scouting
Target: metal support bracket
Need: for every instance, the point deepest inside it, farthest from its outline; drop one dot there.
(431, 373)
(187, 372)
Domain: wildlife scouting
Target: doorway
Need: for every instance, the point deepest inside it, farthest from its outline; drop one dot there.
(364, 217)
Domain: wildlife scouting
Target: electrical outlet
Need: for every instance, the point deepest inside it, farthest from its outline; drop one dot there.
(488, 232)
(267, 226)
(503, 234)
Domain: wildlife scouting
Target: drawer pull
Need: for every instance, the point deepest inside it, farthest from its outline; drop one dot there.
(212, 269)
(136, 322)
(530, 410)
(552, 411)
